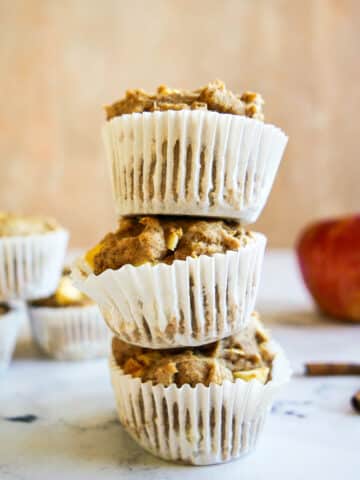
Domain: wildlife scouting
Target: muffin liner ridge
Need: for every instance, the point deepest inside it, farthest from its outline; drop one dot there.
(198, 425)
(10, 324)
(30, 266)
(187, 162)
(189, 303)
(70, 333)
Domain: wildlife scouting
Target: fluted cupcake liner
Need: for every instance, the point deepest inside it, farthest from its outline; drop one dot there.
(70, 333)
(198, 163)
(189, 303)
(30, 266)
(10, 324)
(199, 425)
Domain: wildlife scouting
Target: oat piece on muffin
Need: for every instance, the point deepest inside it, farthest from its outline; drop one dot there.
(66, 295)
(214, 96)
(140, 240)
(12, 225)
(245, 355)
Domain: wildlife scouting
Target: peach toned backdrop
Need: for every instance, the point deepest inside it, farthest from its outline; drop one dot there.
(60, 61)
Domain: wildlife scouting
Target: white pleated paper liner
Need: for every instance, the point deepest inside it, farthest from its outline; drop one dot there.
(70, 333)
(10, 324)
(197, 425)
(198, 163)
(31, 266)
(189, 303)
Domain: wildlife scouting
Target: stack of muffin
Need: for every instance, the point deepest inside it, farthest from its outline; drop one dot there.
(192, 368)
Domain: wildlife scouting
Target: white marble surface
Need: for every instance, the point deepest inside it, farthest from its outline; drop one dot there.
(311, 433)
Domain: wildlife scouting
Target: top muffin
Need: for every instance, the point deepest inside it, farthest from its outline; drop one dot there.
(214, 97)
(12, 225)
(205, 152)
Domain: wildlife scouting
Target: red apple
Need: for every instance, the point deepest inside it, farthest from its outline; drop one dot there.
(329, 257)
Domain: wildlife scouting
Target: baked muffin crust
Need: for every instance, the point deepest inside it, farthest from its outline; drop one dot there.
(66, 295)
(140, 240)
(214, 96)
(12, 225)
(245, 355)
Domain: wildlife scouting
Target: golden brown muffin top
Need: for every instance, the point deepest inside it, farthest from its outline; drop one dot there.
(246, 355)
(12, 225)
(214, 96)
(140, 240)
(66, 295)
(4, 308)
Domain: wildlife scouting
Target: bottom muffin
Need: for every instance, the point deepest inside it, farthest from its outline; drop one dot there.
(202, 405)
(10, 323)
(68, 325)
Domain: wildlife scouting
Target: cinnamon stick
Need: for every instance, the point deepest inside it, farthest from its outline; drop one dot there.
(317, 369)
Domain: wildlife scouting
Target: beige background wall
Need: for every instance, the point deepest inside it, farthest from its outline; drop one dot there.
(60, 61)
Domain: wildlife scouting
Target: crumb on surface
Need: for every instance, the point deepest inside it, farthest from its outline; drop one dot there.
(4, 308)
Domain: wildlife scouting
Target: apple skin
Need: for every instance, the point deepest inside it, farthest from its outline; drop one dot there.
(329, 257)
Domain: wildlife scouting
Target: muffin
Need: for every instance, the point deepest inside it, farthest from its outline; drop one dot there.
(10, 323)
(32, 251)
(68, 325)
(205, 152)
(165, 282)
(203, 405)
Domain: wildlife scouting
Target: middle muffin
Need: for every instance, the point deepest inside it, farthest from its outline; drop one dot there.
(165, 282)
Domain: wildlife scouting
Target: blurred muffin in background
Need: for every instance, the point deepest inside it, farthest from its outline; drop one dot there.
(68, 325)
(32, 251)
